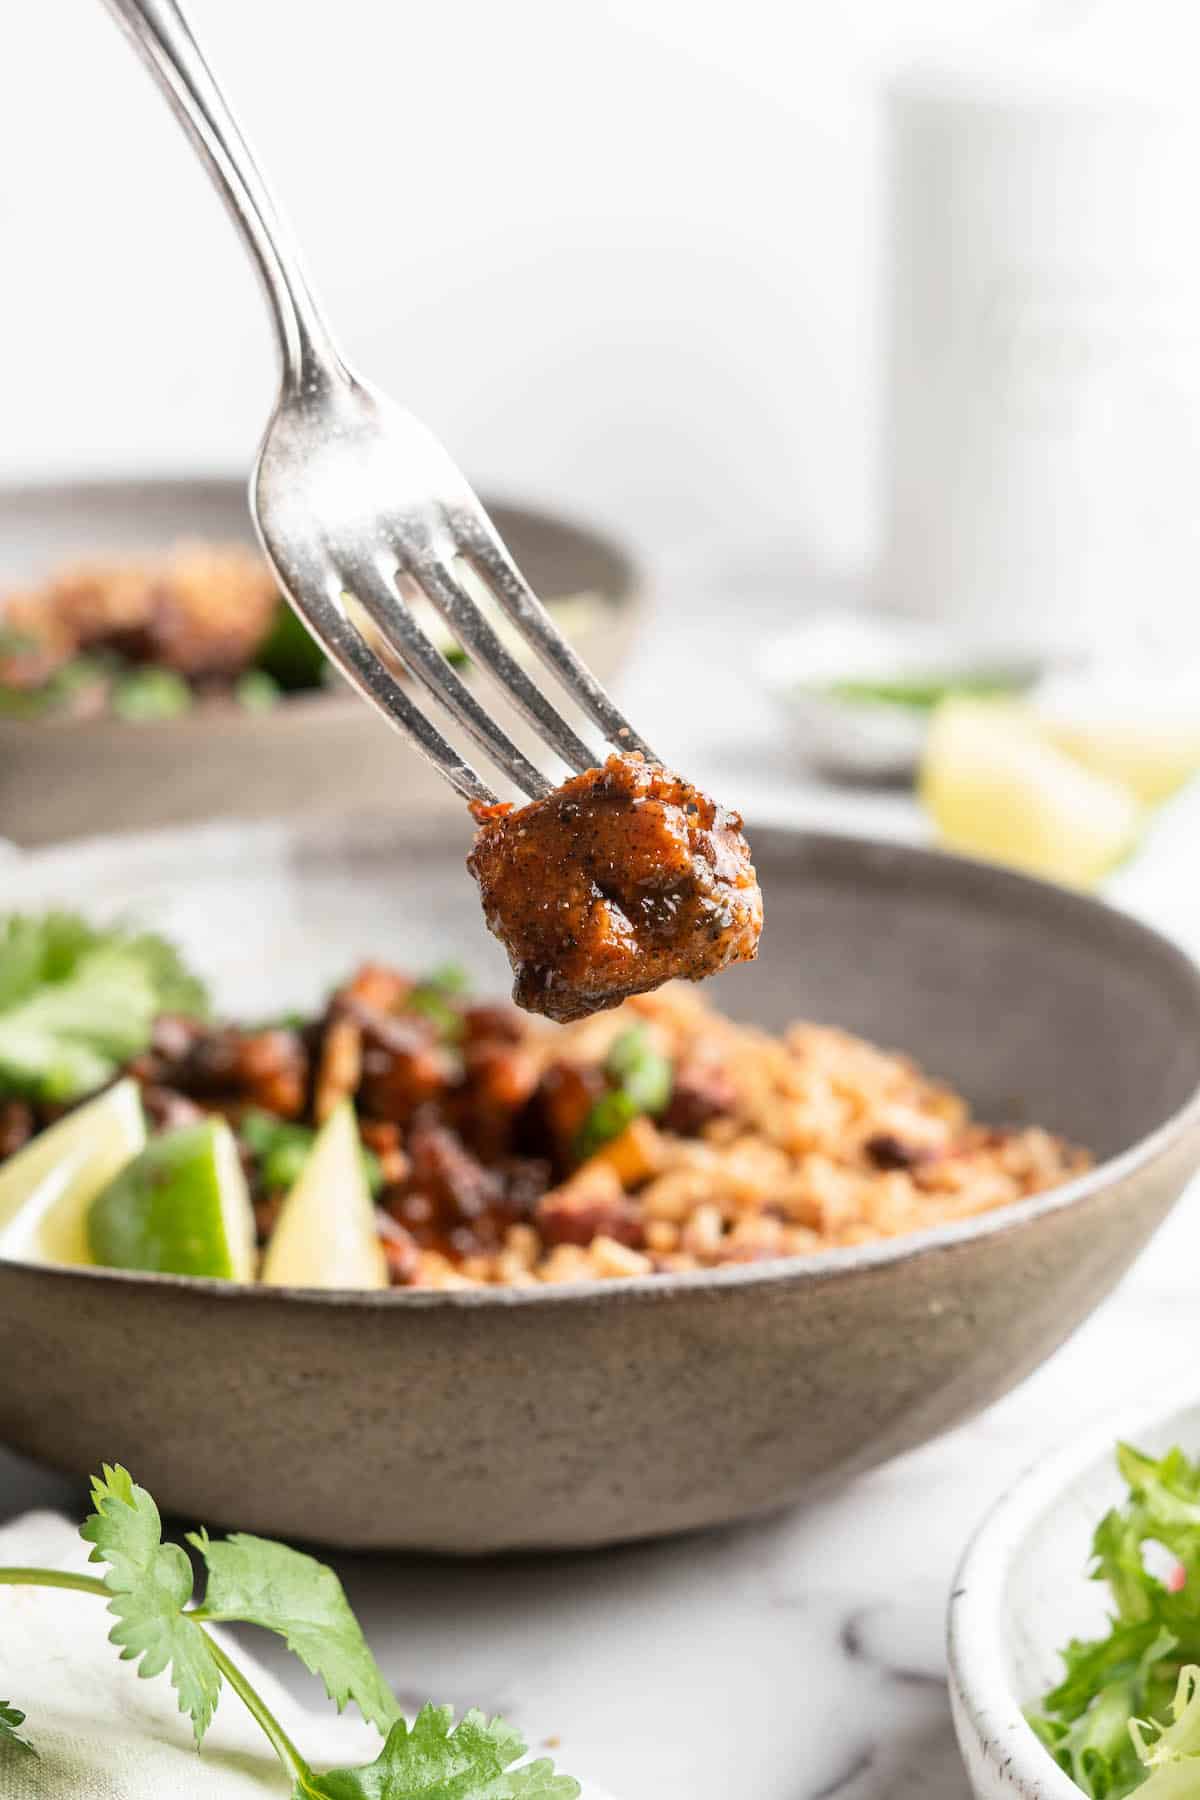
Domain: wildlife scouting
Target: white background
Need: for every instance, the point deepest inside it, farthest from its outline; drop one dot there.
(622, 254)
(625, 255)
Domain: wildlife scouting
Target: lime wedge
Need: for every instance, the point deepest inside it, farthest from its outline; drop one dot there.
(1134, 724)
(325, 1236)
(180, 1208)
(46, 1188)
(997, 789)
(1152, 758)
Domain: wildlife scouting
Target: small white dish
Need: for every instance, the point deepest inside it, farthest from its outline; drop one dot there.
(1022, 1592)
(871, 739)
(815, 668)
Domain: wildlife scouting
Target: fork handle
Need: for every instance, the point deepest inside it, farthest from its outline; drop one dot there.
(161, 34)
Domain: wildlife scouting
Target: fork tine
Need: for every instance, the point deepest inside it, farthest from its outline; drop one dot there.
(371, 582)
(325, 616)
(461, 612)
(481, 545)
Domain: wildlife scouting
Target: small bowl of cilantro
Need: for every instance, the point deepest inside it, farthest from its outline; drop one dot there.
(858, 688)
(1074, 1632)
(152, 674)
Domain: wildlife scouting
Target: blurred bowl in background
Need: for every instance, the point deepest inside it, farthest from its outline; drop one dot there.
(857, 688)
(312, 753)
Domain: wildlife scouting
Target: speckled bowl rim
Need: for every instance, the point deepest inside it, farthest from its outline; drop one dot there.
(825, 1265)
(984, 1700)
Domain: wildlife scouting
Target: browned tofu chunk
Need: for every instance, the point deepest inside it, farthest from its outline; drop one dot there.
(623, 878)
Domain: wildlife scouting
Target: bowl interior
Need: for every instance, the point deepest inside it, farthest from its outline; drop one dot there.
(608, 1411)
(1036, 1003)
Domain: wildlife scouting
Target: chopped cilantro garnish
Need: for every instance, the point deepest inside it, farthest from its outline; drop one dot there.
(256, 691)
(434, 995)
(641, 1080)
(77, 1002)
(923, 693)
(150, 694)
(281, 1148)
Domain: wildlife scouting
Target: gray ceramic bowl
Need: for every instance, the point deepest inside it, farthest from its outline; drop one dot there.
(554, 1417)
(74, 777)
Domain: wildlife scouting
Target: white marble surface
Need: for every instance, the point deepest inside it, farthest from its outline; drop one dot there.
(800, 1658)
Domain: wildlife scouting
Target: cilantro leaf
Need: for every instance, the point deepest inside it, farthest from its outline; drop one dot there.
(641, 1070)
(431, 1761)
(35, 952)
(923, 693)
(434, 997)
(258, 692)
(641, 1080)
(77, 1002)
(281, 1148)
(150, 694)
(151, 1583)
(256, 1582)
(447, 978)
(10, 1719)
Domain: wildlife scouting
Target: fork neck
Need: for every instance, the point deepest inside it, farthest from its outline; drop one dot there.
(308, 355)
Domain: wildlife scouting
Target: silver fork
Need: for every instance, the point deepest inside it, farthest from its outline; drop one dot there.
(357, 505)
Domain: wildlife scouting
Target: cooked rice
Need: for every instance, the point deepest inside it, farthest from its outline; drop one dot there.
(829, 1142)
